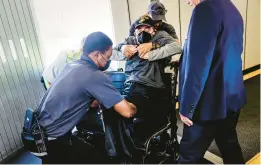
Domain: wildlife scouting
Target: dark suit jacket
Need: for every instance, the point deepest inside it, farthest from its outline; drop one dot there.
(211, 80)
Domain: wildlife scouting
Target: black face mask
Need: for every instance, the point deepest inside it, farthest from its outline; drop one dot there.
(144, 37)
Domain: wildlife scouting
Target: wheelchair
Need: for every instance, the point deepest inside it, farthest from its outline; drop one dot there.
(162, 146)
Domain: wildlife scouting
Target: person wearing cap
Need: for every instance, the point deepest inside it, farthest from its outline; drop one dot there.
(67, 100)
(211, 86)
(157, 12)
(146, 85)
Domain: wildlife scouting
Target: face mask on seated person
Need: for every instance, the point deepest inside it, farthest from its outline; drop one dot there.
(144, 37)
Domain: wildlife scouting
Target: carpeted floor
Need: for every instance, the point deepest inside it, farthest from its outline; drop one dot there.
(248, 127)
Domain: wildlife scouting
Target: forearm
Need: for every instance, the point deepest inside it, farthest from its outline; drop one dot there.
(133, 107)
(165, 51)
(125, 109)
(127, 41)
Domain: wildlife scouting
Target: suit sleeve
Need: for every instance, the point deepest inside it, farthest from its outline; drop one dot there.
(202, 37)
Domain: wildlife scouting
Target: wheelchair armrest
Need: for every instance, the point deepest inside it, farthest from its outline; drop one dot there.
(172, 66)
(176, 57)
(174, 63)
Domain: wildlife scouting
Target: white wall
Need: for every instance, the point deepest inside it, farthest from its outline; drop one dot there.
(138, 8)
(121, 23)
(63, 23)
(241, 6)
(172, 15)
(252, 53)
(67, 21)
(185, 14)
(120, 17)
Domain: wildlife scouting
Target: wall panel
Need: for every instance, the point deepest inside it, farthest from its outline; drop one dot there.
(20, 71)
(252, 53)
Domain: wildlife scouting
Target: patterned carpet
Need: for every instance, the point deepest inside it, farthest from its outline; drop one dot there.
(248, 127)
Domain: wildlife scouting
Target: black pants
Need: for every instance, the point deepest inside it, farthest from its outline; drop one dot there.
(59, 151)
(153, 107)
(198, 137)
(65, 150)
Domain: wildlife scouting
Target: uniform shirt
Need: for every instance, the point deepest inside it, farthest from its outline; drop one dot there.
(68, 99)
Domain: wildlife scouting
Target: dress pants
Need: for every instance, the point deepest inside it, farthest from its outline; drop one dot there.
(197, 138)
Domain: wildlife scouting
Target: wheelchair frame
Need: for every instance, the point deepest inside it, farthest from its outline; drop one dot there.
(172, 126)
(171, 151)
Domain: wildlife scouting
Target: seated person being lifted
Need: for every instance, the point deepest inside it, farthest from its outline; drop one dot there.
(146, 85)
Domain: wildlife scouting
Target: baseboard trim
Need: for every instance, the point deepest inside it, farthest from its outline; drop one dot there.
(251, 69)
(251, 74)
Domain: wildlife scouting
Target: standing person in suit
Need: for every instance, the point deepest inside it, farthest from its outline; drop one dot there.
(211, 85)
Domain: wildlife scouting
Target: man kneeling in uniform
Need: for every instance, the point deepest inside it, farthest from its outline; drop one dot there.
(74, 90)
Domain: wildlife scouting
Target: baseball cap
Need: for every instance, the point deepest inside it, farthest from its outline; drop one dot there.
(157, 11)
(144, 20)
